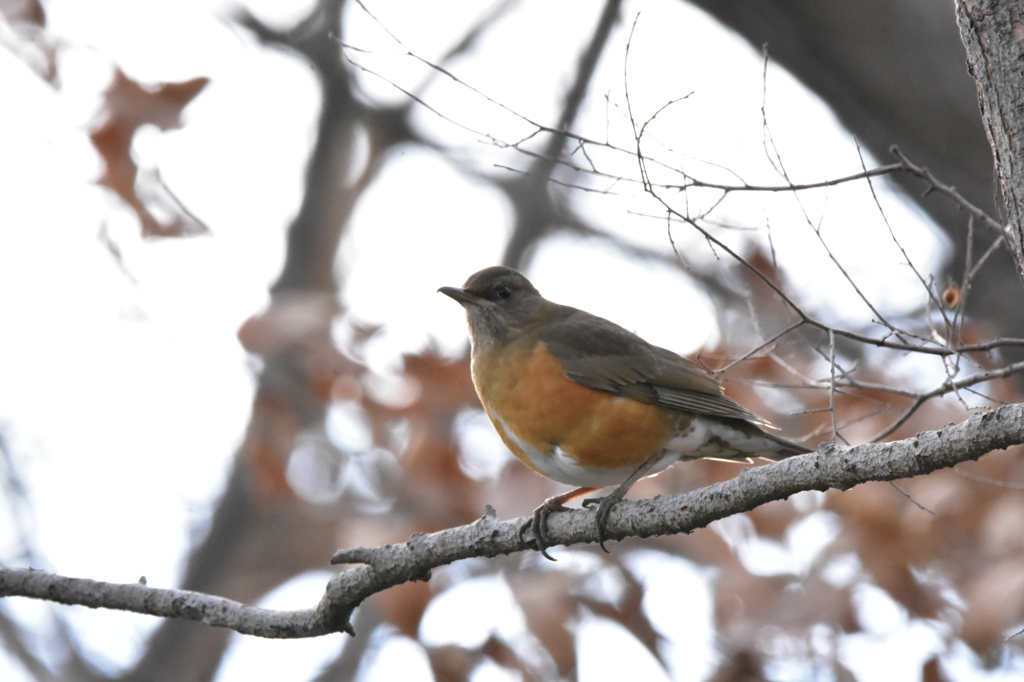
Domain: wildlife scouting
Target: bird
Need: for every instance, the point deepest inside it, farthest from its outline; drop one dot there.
(586, 402)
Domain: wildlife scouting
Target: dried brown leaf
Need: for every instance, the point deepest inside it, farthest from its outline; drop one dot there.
(128, 106)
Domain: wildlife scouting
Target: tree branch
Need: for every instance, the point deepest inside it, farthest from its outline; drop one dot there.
(184, 604)
(391, 565)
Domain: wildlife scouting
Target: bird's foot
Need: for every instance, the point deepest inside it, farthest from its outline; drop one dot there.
(604, 508)
(539, 525)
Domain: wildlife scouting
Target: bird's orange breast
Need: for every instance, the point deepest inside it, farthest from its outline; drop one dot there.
(524, 389)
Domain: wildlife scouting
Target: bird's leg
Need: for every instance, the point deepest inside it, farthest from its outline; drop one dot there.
(539, 523)
(605, 504)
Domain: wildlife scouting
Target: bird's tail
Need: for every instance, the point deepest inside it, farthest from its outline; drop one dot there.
(739, 439)
(787, 448)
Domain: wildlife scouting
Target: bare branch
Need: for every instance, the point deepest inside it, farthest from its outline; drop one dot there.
(948, 190)
(949, 387)
(152, 601)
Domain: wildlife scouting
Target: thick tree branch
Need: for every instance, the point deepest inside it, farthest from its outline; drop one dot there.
(384, 567)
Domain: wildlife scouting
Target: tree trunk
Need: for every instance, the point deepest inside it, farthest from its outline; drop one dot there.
(993, 33)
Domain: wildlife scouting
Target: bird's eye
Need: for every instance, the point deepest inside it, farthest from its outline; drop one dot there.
(503, 292)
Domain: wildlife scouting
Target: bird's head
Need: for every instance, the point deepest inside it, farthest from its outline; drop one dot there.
(500, 303)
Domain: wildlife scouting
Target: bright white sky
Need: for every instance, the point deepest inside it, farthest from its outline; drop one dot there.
(112, 379)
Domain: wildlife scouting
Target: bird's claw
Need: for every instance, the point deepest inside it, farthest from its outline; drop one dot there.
(604, 508)
(539, 525)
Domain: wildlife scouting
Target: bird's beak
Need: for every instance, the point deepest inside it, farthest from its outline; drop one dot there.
(461, 295)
